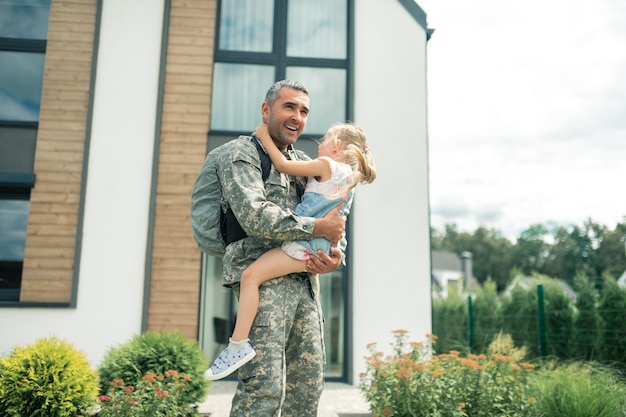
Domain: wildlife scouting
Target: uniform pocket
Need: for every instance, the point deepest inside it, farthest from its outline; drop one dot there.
(262, 319)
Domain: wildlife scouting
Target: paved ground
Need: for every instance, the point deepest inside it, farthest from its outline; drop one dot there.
(338, 400)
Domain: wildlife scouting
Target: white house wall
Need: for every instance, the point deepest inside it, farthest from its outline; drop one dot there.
(111, 277)
(391, 244)
(390, 236)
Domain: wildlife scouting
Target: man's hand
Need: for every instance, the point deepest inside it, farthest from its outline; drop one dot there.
(331, 226)
(322, 263)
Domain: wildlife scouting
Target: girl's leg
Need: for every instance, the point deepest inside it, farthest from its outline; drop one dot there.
(272, 264)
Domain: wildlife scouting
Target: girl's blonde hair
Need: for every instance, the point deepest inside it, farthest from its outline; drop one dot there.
(355, 152)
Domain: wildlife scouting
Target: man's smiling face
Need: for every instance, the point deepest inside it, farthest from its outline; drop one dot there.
(287, 116)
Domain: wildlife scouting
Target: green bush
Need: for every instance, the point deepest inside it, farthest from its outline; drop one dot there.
(485, 305)
(450, 323)
(579, 390)
(47, 378)
(415, 382)
(157, 352)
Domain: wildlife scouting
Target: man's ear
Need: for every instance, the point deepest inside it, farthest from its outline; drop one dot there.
(265, 111)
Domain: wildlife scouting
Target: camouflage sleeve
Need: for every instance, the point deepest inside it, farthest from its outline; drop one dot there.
(263, 209)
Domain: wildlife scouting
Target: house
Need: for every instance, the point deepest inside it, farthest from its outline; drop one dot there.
(527, 283)
(110, 111)
(452, 274)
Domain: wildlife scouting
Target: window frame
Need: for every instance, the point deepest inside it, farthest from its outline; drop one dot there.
(279, 59)
(18, 185)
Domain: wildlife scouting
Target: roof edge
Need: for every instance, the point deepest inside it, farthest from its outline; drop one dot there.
(416, 11)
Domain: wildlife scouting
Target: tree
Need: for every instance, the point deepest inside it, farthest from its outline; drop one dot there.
(491, 252)
(587, 323)
(612, 307)
(611, 252)
(519, 318)
(450, 323)
(485, 316)
(559, 316)
(530, 252)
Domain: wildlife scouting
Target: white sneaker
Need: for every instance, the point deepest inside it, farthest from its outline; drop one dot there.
(232, 358)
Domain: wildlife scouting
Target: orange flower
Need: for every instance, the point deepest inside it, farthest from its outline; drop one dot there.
(470, 364)
(387, 411)
(418, 366)
(116, 383)
(403, 373)
(172, 373)
(149, 377)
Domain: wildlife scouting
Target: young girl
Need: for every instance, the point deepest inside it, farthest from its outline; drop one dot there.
(344, 160)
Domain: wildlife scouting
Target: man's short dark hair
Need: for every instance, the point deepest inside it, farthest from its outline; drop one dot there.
(272, 93)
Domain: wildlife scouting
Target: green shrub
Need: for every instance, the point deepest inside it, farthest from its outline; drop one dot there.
(450, 323)
(415, 382)
(157, 352)
(485, 306)
(47, 378)
(579, 390)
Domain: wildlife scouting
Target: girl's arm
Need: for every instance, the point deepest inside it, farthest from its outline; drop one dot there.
(314, 168)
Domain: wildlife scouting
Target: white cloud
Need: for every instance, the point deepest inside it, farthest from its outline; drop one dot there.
(526, 112)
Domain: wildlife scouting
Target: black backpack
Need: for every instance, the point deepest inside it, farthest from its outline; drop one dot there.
(213, 228)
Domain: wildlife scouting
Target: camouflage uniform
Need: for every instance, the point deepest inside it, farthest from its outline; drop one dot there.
(286, 376)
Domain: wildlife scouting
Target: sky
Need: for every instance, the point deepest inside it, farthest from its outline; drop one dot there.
(527, 113)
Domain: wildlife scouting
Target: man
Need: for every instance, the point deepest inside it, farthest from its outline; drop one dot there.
(286, 375)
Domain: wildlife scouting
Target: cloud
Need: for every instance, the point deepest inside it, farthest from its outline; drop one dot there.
(526, 112)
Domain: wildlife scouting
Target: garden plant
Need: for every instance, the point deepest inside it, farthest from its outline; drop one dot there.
(414, 381)
(155, 354)
(48, 378)
(155, 395)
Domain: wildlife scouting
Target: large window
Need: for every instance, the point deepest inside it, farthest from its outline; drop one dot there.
(259, 42)
(23, 33)
(262, 41)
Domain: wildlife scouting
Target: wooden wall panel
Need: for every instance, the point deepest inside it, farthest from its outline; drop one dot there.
(176, 260)
(53, 220)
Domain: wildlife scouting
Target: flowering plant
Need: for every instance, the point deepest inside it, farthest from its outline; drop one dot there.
(415, 381)
(154, 395)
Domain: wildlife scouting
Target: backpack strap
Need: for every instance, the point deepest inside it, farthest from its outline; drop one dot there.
(229, 226)
(266, 162)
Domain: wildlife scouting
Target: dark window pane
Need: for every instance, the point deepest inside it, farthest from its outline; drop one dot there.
(24, 19)
(327, 94)
(317, 29)
(238, 91)
(21, 80)
(17, 149)
(13, 221)
(246, 25)
(10, 280)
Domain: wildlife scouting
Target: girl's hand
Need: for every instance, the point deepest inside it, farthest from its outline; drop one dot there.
(261, 132)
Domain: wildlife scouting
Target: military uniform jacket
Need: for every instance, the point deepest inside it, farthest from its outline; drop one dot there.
(265, 210)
